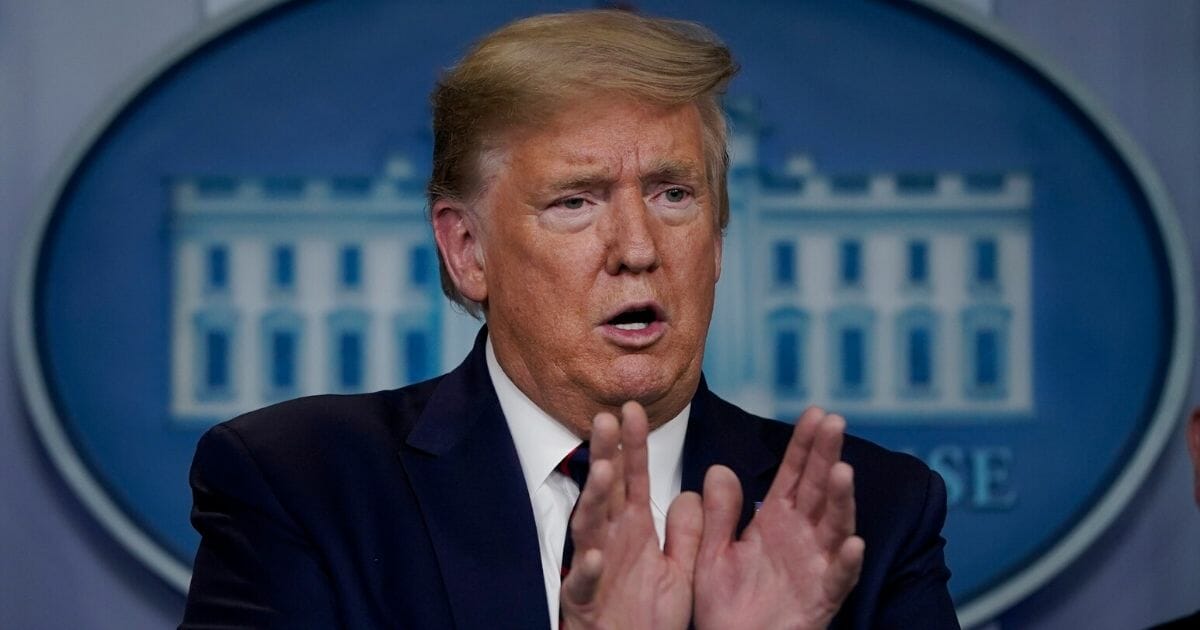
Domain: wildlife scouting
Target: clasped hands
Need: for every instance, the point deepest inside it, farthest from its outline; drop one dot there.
(793, 566)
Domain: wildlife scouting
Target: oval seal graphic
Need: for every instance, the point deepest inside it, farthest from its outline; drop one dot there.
(933, 232)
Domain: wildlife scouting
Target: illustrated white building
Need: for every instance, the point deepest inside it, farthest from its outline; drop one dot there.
(889, 297)
(284, 287)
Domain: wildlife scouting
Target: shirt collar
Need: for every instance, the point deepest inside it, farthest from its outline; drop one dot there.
(542, 442)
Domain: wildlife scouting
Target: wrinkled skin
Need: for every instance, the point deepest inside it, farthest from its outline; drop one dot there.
(602, 208)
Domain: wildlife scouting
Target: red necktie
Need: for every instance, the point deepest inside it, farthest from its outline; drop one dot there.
(575, 466)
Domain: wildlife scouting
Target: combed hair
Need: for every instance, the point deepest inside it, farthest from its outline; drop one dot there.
(518, 75)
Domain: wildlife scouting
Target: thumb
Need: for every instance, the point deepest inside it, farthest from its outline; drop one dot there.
(685, 520)
(722, 507)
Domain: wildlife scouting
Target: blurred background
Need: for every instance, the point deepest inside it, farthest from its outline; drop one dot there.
(61, 63)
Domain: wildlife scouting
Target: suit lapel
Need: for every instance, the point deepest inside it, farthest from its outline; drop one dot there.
(720, 433)
(464, 470)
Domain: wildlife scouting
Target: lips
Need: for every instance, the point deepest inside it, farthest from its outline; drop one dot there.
(635, 319)
(636, 315)
(635, 325)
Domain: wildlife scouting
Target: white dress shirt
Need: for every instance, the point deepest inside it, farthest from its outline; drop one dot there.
(542, 442)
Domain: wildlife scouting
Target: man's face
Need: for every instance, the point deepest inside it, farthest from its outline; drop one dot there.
(600, 258)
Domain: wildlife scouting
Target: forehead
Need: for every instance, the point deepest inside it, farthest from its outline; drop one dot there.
(612, 136)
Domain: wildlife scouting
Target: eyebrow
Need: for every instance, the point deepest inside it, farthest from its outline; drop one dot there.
(584, 181)
(663, 170)
(672, 170)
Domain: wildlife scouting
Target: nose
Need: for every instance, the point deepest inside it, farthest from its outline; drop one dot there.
(630, 236)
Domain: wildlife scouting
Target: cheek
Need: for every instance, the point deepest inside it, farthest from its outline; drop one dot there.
(569, 263)
(544, 279)
(698, 265)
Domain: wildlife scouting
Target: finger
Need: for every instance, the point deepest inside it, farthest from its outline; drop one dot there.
(616, 498)
(722, 503)
(590, 520)
(843, 572)
(583, 582)
(795, 457)
(685, 522)
(634, 427)
(837, 523)
(812, 490)
(606, 437)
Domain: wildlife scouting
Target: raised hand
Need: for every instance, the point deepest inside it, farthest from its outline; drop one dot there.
(799, 558)
(619, 576)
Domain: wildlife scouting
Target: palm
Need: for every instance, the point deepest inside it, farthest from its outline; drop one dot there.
(798, 559)
(619, 577)
(639, 587)
(754, 580)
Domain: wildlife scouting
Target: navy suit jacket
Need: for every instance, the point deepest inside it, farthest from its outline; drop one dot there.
(408, 509)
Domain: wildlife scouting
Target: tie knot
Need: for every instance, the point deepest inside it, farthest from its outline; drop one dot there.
(575, 464)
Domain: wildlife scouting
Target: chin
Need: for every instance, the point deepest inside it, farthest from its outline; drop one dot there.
(644, 379)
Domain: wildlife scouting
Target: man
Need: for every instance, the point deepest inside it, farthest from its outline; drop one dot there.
(1193, 445)
(578, 201)
(1193, 442)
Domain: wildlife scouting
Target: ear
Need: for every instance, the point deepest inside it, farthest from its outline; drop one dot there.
(457, 233)
(1193, 442)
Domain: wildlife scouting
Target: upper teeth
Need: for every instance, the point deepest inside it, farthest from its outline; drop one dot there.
(633, 326)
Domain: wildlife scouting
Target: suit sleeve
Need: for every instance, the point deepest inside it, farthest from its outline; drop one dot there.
(255, 567)
(916, 594)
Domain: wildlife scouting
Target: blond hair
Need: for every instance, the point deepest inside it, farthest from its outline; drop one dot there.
(518, 75)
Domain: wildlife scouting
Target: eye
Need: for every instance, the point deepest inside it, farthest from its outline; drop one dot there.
(572, 203)
(569, 214)
(675, 194)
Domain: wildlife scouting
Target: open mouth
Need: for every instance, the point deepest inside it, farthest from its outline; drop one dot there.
(638, 318)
